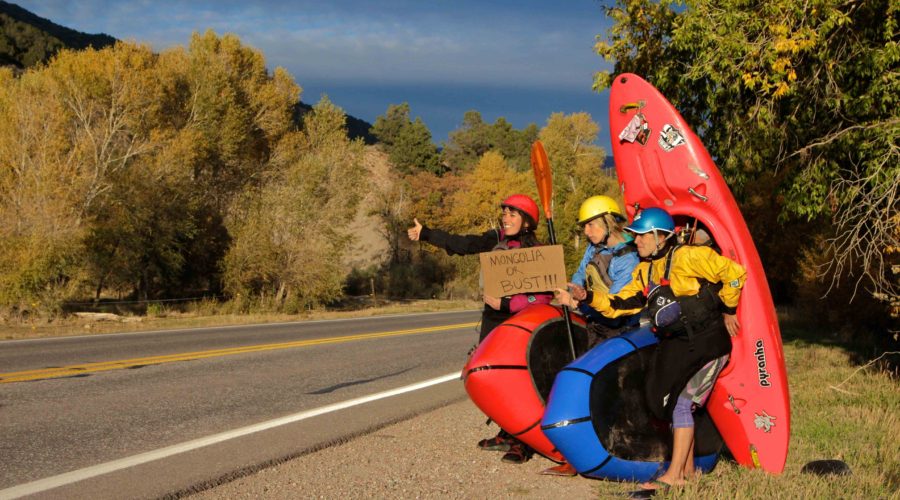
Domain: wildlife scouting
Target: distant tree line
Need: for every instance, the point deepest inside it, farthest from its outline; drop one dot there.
(411, 147)
(459, 188)
(160, 175)
(138, 175)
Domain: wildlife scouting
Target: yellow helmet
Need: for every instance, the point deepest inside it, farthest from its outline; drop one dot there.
(595, 206)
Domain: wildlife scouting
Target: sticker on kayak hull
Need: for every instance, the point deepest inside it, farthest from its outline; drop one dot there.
(763, 422)
(755, 456)
(637, 130)
(670, 138)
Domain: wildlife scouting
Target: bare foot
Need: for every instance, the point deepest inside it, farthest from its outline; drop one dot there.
(656, 484)
(662, 482)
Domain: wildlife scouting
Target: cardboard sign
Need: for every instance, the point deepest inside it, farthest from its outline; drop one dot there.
(523, 270)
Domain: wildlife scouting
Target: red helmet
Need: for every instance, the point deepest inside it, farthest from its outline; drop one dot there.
(523, 204)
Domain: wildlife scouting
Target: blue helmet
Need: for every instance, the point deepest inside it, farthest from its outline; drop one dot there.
(650, 219)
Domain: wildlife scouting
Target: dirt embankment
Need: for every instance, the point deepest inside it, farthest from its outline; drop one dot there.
(369, 244)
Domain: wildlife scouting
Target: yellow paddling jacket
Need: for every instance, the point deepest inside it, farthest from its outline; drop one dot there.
(691, 265)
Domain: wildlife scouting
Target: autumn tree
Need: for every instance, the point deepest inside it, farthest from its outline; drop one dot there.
(476, 137)
(288, 233)
(570, 142)
(39, 220)
(72, 127)
(798, 104)
(475, 207)
(411, 269)
(407, 142)
(122, 166)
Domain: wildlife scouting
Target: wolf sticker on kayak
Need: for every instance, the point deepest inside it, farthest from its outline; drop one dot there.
(670, 137)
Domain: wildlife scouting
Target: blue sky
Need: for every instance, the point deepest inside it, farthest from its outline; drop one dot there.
(521, 60)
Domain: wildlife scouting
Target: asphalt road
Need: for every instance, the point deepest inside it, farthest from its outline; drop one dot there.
(85, 403)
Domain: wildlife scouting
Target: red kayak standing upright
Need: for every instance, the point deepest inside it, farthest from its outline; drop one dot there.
(660, 162)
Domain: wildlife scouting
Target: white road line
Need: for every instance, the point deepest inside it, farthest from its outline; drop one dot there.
(142, 458)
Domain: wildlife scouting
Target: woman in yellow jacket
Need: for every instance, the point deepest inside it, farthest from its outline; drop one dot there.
(691, 294)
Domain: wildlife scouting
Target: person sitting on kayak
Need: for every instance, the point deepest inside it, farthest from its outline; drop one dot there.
(609, 259)
(519, 220)
(691, 293)
(607, 264)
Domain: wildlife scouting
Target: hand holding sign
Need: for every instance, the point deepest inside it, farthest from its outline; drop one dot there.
(492, 302)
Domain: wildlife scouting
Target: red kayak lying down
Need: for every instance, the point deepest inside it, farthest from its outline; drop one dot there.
(510, 374)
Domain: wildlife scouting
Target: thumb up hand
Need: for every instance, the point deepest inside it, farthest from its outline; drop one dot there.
(414, 231)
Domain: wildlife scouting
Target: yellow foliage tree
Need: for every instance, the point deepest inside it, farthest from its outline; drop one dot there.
(72, 126)
(577, 174)
(120, 165)
(476, 207)
(288, 234)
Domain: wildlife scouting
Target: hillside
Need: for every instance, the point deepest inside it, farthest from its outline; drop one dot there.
(370, 246)
(27, 39)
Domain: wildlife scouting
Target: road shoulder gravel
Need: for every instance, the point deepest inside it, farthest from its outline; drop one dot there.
(428, 456)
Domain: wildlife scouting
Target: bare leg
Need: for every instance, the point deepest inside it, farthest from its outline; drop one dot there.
(689, 470)
(682, 447)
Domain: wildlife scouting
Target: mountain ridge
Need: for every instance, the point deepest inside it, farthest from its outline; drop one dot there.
(27, 39)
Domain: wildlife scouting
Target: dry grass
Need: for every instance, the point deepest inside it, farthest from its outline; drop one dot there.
(163, 319)
(859, 425)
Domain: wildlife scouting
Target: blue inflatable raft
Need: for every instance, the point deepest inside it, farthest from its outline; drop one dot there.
(597, 417)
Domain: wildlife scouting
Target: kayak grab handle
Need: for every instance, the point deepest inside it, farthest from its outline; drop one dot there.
(632, 105)
(698, 195)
